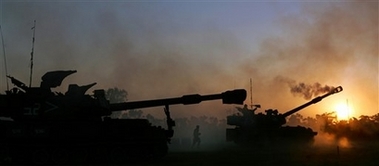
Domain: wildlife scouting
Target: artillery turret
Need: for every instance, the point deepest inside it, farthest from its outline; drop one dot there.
(44, 127)
(252, 128)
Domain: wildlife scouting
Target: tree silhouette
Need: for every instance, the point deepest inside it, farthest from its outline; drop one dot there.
(116, 95)
(135, 114)
(362, 128)
(295, 120)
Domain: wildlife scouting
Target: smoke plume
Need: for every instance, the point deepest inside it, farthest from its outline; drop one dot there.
(307, 91)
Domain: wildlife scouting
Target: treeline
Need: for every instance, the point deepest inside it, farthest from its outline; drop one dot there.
(362, 128)
(214, 130)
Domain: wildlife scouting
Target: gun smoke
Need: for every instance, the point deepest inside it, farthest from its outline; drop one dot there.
(307, 91)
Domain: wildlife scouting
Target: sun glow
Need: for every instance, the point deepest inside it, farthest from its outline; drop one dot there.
(343, 111)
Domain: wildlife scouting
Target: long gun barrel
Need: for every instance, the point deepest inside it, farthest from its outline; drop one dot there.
(313, 101)
(229, 97)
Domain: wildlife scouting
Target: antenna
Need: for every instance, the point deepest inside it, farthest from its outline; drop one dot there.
(5, 57)
(347, 109)
(251, 93)
(31, 54)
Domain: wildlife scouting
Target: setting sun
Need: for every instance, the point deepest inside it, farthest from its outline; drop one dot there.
(343, 111)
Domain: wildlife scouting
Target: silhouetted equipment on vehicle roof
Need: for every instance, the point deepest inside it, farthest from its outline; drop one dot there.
(252, 128)
(46, 127)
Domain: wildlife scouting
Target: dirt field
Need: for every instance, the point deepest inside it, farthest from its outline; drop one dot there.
(354, 154)
(346, 153)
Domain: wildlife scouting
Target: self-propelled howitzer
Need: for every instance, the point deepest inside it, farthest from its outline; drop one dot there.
(24, 103)
(45, 127)
(251, 128)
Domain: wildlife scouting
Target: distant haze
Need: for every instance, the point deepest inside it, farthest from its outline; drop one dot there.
(168, 49)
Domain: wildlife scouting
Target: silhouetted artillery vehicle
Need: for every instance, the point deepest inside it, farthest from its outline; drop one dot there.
(42, 127)
(255, 129)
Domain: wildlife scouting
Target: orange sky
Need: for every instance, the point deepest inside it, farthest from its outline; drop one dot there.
(158, 50)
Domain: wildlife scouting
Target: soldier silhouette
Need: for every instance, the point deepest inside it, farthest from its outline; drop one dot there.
(196, 138)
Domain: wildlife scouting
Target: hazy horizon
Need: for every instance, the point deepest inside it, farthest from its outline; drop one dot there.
(169, 49)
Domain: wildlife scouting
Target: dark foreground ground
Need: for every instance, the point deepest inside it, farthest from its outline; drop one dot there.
(351, 154)
(335, 154)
